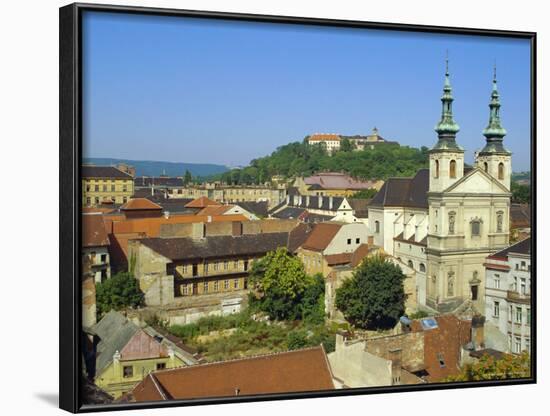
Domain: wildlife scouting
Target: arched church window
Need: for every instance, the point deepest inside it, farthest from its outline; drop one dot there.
(500, 218)
(377, 227)
(501, 170)
(452, 169)
(452, 220)
(486, 166)
(436, 172)
(422, 267)
(410, 264)
(451, 284)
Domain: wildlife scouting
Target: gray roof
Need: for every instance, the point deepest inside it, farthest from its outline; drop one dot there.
(404, 192)
(522, 247)
(216, 246)
(289, 213)
(90, 171)
(162, 181)
(114, 331)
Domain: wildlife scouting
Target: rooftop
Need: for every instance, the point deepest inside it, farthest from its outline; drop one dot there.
(522, 247)
(321, 236)
(139, 204)
(94, 233)
(201, 202)
(110, 172)
(337, 180)
(292, 371)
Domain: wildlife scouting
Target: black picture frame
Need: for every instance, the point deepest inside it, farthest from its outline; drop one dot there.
(70, 125)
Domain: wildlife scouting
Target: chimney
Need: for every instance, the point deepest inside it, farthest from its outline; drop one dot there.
(395, 357)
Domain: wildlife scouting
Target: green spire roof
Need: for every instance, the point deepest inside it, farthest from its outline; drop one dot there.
(494, 132)
(447, 128)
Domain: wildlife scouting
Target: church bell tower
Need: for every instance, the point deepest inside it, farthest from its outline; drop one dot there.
(446, 157)
(494, 158)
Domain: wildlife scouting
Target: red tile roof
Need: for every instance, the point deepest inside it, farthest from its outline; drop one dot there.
(215, 210)
(324, 137)
(94, 233)
(201, 202)
(140, 204)
(292, 371)
(321, 236)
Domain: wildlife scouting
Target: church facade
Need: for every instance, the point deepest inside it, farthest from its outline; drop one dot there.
(447, 219)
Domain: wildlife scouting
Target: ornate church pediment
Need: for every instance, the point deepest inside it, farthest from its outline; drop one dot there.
(477, 182)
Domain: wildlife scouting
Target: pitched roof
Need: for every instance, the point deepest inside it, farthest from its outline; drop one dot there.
(216, 246)
(258, 208)
(298, 236)
(201, 202)
(521, 215)
(142, 346)
(292, 371)
(360, 206)
(215, 209)
(337, 180)
(289, 213)
(140, 204)
(321, 236)
(94, 233)
(522, 247)
(324, 137)
(404, 192)
(90, 171)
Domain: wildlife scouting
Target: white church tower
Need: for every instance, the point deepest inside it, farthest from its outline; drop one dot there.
(446, 157)
(494, 158)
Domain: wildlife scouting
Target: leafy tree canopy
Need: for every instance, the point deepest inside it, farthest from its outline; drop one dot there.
(187, 178)
(374, 296)
(301, 159)
(521, 194)
(119, 292)
(489, 368)
(284, 289)
(365, 193)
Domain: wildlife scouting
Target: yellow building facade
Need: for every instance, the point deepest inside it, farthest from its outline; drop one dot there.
(102, 184)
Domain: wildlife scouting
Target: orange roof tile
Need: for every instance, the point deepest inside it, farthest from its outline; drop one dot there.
(321, 236)
(140, 204)
(215, 210)
(292, 371)
(201, 202)
(324, 137)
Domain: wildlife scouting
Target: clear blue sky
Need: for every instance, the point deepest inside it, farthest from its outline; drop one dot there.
(195, 90)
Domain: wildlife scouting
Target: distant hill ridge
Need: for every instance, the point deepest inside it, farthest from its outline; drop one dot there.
(157, 168)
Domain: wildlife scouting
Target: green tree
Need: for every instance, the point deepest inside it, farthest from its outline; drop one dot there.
(121, 291)
(521, 194)
(346, 145)
(374, 296)
(280, 282)
(296, 340)
(489, 368)
(187, 178)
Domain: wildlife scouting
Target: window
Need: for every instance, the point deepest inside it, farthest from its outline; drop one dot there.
(452, 169)
(486, 166)
(216, 286)
(436, 171)
(517, 345)
(185, 290)
(518, 314)
(496, 281)
(205, 268)
(422, 267)
(410, 264)
(127, 371)
(496, 309)
(509, 342)
(225, 265)
(527, 345)
(377, 227)
(226, 284)
(216, 266)
(124, 199)
(523, 265)
(88, 201)
(528, 318)
(357, 241)
(452, 219)
(500, 218)
(88, 187)
(349, 241)
(236, 264)
(124, 188)
(113, 188)
(96, 188)
(501, 170)
(474, 291)
(515, 284)
(476, 227)
(510, 312)
(97, 200)
(104, 188)
(103, 259)
(523, 286)
(205, 287)
(235, 283)
(161, 366)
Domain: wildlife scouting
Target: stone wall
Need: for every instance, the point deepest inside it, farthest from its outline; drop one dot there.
(411, 345)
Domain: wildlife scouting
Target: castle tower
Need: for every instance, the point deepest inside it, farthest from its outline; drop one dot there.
(446, 157)
(494, 158)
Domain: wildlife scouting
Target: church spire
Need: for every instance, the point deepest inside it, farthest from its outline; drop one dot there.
(494, 132)
(447, 128)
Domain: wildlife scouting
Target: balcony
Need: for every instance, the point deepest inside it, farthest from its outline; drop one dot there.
(516, 297)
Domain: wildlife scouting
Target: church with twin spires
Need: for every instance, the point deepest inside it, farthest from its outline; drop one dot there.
(447, 219)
